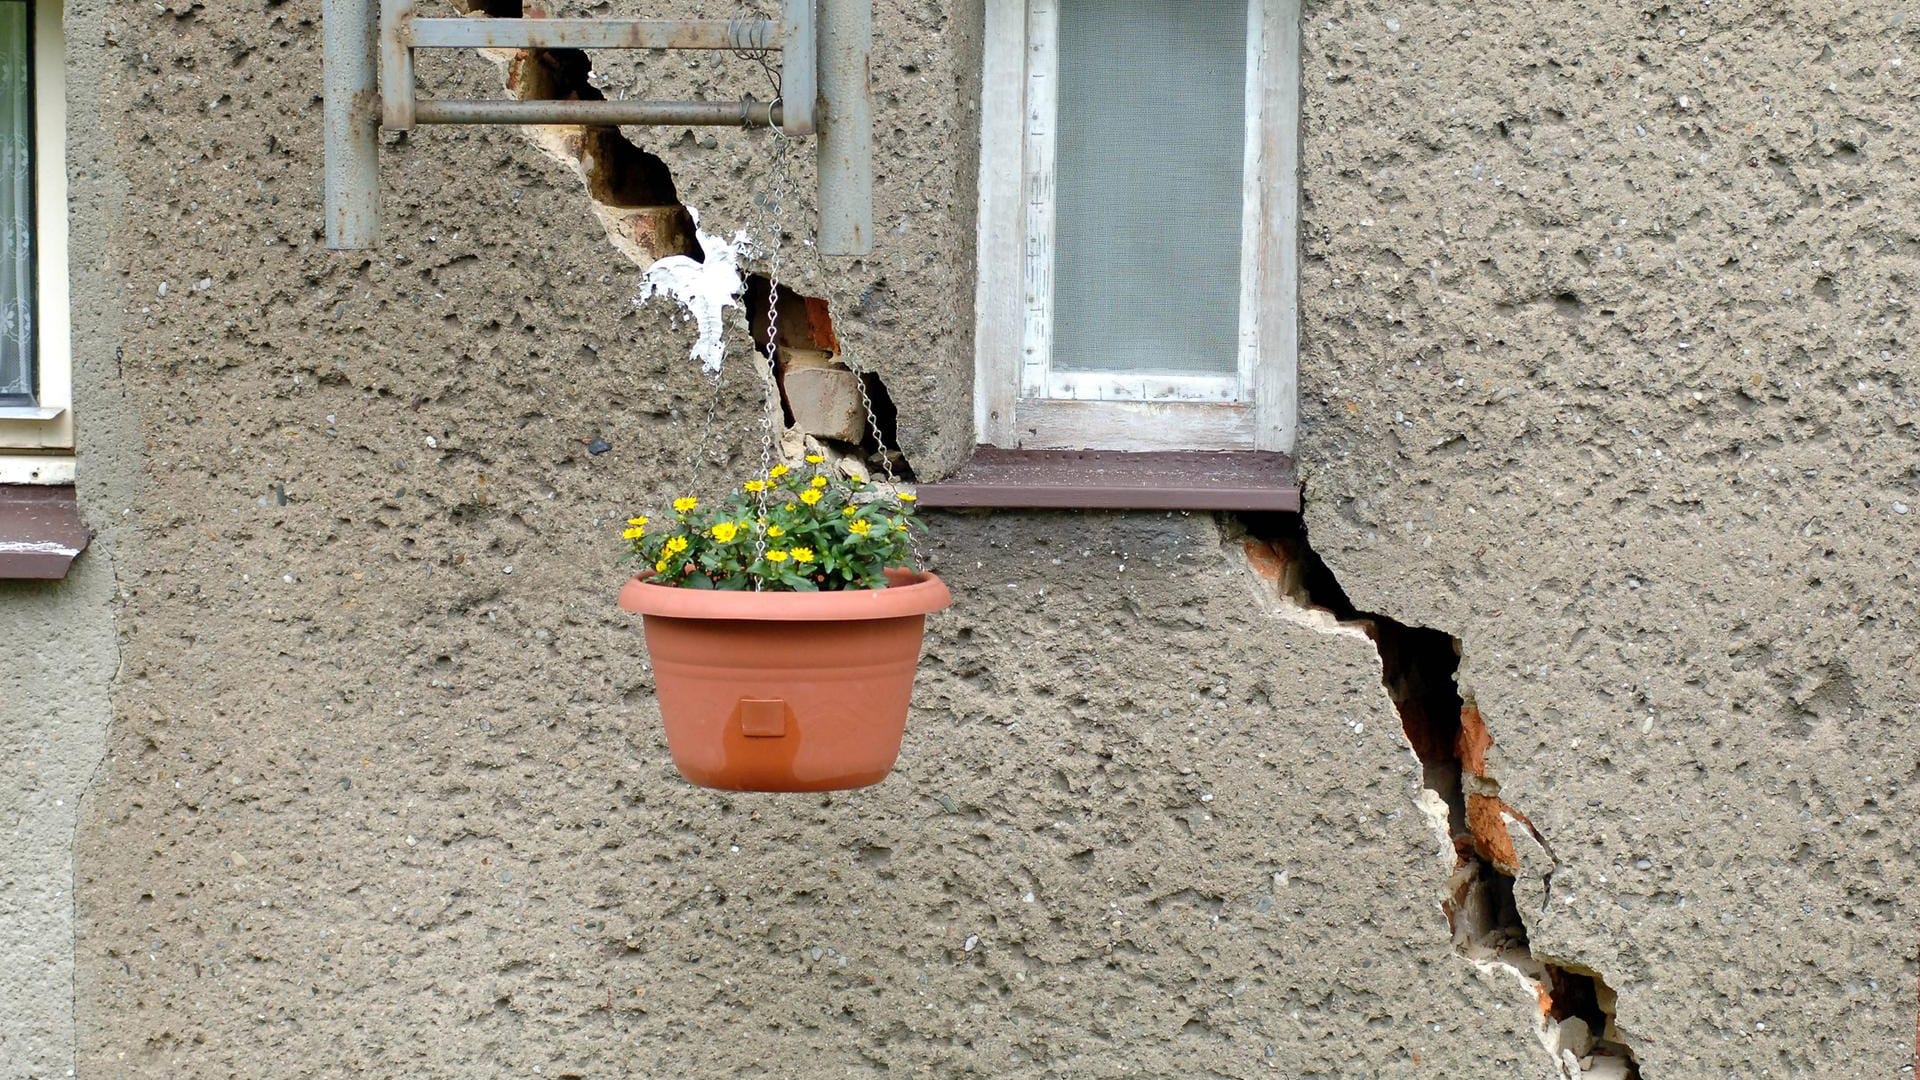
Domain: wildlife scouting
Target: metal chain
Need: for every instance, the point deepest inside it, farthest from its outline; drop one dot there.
(702, 450)
(779, 185)
(879, 442)
(773, 207)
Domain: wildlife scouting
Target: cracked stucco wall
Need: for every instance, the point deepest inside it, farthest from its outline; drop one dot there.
(1610, 375)
(58, 638)
(385, 792)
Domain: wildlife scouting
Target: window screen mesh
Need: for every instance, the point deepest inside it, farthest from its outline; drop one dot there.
(1148, 160)
(16, 201)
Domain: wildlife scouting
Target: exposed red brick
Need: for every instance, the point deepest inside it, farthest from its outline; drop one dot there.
(820, 325)
(1266, 560)
(663, 231)
(1474, 740)
(1489, 828)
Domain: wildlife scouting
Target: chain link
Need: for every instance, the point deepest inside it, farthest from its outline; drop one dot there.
(879, 442)
(773, 213)
(702, 450)
(772, 208)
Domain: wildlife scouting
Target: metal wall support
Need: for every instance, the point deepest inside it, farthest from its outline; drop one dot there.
(824, 88)
(396, 66)
(799, 86)
(602, 33)
(747, 113)
(845, 122)
(350, 119)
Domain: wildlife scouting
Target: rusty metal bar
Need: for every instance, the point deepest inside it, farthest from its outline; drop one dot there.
(845, 120)
(824, 88)
(350, 124)
(396, 65)
(745, 113)
(798, 85)
(593, 34)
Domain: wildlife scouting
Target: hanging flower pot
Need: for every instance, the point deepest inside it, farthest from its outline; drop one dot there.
(784, 627)
(785, 691)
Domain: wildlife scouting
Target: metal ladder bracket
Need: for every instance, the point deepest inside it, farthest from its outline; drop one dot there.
(823, 76)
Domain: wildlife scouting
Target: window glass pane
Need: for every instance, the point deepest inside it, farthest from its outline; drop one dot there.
(1148, 158)
(16, 200)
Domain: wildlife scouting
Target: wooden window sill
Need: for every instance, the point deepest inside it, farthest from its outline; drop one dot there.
(41, 532)
(1116, 480)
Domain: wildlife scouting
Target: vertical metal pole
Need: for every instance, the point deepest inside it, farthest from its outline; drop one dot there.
(350, 122)
(845, 120)
(396, 64)
(798, 55)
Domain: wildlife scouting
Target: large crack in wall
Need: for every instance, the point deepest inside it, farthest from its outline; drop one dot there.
(825, 404)
(1450, 741)
(633, 194)
(820, 394)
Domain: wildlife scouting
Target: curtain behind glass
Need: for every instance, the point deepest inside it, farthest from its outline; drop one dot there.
(1148, 162)
(16, 199)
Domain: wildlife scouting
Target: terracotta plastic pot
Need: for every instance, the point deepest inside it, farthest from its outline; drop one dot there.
(785, 691)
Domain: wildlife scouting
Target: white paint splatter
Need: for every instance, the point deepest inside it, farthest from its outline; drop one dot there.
(36, 547)
(705, 289)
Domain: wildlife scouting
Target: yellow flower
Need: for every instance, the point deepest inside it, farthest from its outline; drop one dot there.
(776, 555)
(818, 481)
(791, 507)
(634, 533)
(676, 545)
(660, 567)
(814, 459)
(849, 510)
(859, 526)
(776, 531)
(908, 496)
(684, 504)
(725, 532)
(636, 521)
(900, 527)
(755, 486)
(810, 497)
(777, 472)
(802, 554)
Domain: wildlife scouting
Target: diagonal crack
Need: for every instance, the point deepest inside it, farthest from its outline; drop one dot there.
(633, 194)
(1450, 740)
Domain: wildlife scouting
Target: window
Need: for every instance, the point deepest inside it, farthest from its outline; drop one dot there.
(35, 379)
(1138, 199)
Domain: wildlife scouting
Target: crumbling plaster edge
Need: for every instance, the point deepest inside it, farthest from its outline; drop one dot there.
(1283, 597)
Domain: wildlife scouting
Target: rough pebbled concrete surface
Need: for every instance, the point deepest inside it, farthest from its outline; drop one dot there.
(385, 793)
(1609, 373)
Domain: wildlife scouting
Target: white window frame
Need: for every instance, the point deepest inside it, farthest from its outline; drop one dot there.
(1019, 402)
(47, 424)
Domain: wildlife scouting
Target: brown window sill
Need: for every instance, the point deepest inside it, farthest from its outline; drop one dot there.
(1114, 480)
(40, 530)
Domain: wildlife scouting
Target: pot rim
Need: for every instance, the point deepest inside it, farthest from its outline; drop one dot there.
(908, 593)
